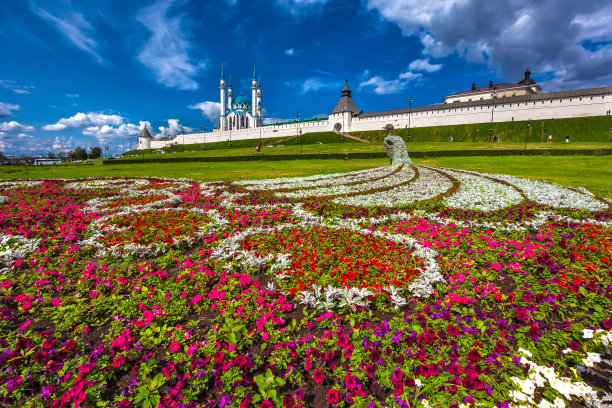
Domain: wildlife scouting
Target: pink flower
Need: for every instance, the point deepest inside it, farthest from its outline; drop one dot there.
(333, 397)
(118, 361)
(192, 349)
(56, 302)
(351, 382)
(6, 284)
(175, 346)
(318, 376)
(496, 266)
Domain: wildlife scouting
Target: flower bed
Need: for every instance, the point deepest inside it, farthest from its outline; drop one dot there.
(402, 287)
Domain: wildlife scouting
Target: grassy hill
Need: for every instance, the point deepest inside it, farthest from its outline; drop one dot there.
(591, 129)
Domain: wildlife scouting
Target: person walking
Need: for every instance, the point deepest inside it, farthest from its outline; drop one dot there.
(549, 138)
(566, 138)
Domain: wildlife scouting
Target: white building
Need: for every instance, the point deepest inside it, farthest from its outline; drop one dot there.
(242, 112)
(518, 102)
(526, 86)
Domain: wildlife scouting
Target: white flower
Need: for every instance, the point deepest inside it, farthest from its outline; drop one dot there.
(545, 404)
(587, 334)
(418, 382)
(567, 350)
(559, 403)
(525, 352)
(594, 357)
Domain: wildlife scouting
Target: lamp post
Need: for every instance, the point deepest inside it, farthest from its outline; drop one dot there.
(260, 125)
(409, 115)
(492, 110)
(527, 131)
(297, 128)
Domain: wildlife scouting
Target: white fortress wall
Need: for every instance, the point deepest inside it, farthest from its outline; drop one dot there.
(570, 104)
(504, 111)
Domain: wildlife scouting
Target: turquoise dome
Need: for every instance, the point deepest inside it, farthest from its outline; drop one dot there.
(241, 100)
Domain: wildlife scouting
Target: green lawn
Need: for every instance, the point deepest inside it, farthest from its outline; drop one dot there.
(591, 172)
(290, 147)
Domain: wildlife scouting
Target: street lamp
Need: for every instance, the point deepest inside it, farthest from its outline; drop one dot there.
(492, 110)
(297, 128)
(527, 131)
(409, 115)
(260, 125)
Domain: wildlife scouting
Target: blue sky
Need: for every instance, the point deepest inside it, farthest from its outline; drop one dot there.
(93, 73)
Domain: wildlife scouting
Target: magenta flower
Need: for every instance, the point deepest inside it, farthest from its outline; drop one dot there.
(175, 346)
(474, 356)
(333, 397)
(318, 376)
(351, 381)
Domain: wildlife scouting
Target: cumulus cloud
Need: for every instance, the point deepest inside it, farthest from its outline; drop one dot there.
(85, 120)
(6, 109)
(166, 53)
(382, 86)
(424, 65)
(14, 126)
(210, 109)
(15, 87)
(76, 28)
(173, 129)
(290, 52)
(550, 36)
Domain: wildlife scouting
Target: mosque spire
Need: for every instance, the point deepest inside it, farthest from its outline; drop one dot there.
(254, 75)
(222, 75)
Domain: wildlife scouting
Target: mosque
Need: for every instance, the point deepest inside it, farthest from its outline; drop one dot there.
(242, 112)
(241, 118)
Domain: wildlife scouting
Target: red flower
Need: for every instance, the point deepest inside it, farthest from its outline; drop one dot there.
(521, 313)
(474, 356)
(374, 355)
(318, 376)
(167, 370)
(288, 401)
(350, 381)
(266, 404)
(240, 361)
(118, 361)
(70, 345)
(607, 324)
(175, 346)
(501, 347)
(333, 397)
(452, 330)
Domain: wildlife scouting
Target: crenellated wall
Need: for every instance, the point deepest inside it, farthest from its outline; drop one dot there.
(568, 104)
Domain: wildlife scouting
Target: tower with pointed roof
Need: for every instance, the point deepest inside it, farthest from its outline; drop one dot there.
(344, 112)
(242, 112)
(144, 139)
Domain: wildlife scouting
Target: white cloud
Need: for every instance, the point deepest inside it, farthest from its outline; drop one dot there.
(85, 119)
(15, 87)
(315, 84)
(290, 52)
(297, 5)
(270, 121)
(76, 28)
(173, 129)
(13, 126)
(6, 109)
(210, 109)
(553, 37)
(392, 86)
(166, 51)
(62, 143)
(424, 65)
(75, 95)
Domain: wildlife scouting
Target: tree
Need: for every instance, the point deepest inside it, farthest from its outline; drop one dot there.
(95, 152)
(79, 154)
(51, 155)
